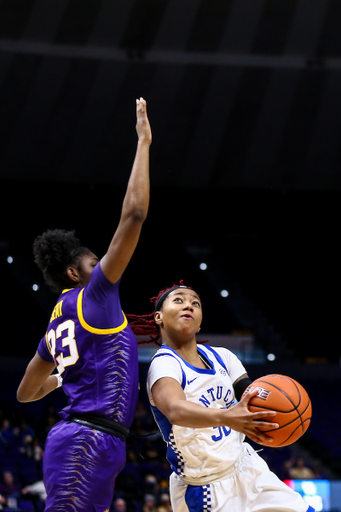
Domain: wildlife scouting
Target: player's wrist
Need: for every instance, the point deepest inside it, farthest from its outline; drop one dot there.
(144, 141)
(59, 380)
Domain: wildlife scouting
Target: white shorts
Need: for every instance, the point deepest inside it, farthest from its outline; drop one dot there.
(253, 488)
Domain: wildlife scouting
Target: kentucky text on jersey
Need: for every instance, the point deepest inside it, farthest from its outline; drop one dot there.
(217, 393)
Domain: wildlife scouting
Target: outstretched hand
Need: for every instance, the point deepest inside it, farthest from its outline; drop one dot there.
(248, 423)
(142, 123)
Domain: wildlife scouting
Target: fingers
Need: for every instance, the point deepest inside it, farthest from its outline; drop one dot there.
(263, 414)
(258, 435)
(260, 414)
(141, 106)
(142, 124)
(261, 438)
(266, 424)
(249, 394)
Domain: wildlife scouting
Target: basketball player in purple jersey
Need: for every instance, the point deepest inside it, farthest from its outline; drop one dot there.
(90, 343)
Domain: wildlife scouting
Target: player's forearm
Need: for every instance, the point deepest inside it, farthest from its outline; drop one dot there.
(136, 201)
(188, 414)
(31, 394)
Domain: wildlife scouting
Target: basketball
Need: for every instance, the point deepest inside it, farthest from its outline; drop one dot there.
(290, 401)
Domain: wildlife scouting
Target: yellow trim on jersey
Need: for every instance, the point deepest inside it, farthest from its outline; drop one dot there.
(47, 343)
(95, 330)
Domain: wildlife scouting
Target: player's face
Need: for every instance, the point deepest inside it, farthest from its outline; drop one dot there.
(86, 265)
(181, 313)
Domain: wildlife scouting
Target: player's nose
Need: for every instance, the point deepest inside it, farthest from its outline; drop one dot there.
(188, 305)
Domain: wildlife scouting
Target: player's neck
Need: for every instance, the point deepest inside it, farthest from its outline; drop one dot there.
(187, 351)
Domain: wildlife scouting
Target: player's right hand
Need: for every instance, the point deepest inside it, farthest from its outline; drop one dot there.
(142, 123)
(248, 423)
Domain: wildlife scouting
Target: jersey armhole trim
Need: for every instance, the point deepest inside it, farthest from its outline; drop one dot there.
(96, 330)
(47, 344)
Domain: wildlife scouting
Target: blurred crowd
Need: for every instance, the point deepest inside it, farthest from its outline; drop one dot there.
(141, 487)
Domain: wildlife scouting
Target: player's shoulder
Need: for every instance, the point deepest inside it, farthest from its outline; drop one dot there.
(166, 359)
(165, 353)
(216, 351)
(98, 278)
(165, 363)
(223, 355)
(100, 290)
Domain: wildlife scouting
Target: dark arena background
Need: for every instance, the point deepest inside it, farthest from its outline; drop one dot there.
(245, 108)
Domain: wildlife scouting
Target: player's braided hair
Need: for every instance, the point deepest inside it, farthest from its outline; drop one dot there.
(144, 325)
(53, 251)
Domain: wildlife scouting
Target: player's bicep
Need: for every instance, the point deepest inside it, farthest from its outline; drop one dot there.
(165, 392)
(37, 371)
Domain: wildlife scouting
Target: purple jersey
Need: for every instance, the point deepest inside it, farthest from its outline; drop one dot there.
(95, 351)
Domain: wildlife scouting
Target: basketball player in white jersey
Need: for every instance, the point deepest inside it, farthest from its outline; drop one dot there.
(192, 390)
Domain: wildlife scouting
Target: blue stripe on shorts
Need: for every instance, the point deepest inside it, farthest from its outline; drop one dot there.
(198, 499)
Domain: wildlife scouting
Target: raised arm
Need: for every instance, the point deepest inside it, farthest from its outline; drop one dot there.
(135, 203)
(170, 399)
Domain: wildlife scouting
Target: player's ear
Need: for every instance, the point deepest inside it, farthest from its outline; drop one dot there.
(72, 274)
(158, 318)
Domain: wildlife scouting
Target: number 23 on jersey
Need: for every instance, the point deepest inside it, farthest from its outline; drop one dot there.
(66, 333)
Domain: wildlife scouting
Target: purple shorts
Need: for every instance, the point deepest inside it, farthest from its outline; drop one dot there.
(80, 468)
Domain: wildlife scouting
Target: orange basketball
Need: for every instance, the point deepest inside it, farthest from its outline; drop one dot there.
(290, 401)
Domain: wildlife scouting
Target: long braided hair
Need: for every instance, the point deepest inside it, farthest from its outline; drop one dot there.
(144, 325)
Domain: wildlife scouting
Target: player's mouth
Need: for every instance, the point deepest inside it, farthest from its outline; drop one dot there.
(187, 316)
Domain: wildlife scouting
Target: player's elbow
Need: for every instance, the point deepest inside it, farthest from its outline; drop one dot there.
(138, 214)
(175, 414)
(23, 396)
(135, 209)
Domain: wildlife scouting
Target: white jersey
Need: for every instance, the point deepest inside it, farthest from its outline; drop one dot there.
(198, 454)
